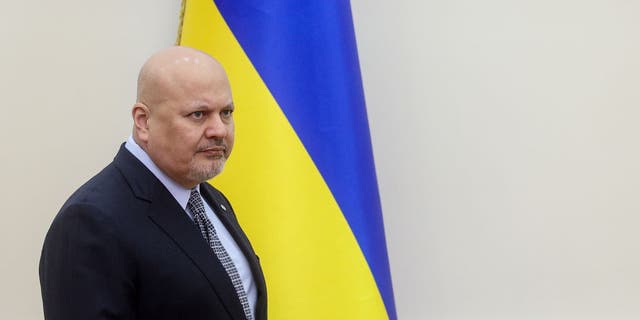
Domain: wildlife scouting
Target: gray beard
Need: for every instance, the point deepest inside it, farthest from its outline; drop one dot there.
(202, 174)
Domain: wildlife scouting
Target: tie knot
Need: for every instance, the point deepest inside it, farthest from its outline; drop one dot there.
(195, 203)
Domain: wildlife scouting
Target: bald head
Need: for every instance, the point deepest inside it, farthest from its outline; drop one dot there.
(171, 69)
(183, 115)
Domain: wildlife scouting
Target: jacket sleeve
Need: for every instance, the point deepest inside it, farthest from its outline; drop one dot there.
(85, 272)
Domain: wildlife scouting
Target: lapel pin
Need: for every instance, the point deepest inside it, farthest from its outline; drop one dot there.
(223, 208)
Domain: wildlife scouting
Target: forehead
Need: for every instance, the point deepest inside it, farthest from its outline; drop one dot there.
(199, 84)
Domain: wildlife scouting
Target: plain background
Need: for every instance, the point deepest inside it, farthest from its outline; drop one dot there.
(505, 136)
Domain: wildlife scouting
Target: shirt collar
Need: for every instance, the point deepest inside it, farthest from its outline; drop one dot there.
(180, 193)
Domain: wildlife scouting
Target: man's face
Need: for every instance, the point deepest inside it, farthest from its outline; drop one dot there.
(191, 132)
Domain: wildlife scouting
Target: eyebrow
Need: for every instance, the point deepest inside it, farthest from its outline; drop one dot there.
(203, 106)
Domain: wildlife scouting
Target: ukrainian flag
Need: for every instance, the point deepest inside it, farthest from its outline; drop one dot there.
(301, 178)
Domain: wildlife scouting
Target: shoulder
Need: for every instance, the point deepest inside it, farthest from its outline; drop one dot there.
(107, 198)
(96, 214)
(105, 188)
(94, 203)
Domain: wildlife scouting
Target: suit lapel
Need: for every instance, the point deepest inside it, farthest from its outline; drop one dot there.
(224, 211)
(167, 214)
(226, 215)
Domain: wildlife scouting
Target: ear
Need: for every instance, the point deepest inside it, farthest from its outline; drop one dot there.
(141, 115)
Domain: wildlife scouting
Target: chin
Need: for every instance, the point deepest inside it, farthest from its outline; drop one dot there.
(203, 174)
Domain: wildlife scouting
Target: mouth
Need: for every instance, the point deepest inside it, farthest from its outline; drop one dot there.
(214, 151)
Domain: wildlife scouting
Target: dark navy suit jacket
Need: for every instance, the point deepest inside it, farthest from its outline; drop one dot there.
(122, 247)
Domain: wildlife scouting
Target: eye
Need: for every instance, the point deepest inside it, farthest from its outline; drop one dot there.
(197, 115)
(226, 113)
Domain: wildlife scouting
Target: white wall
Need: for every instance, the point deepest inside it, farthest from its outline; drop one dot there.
(67, 81)
(504, 135)
(506, 140)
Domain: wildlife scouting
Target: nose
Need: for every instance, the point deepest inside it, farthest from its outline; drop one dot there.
(216, 128)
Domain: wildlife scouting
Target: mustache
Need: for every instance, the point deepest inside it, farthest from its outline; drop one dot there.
(214, 145)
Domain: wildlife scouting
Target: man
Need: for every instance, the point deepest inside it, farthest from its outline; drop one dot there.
(147, 237)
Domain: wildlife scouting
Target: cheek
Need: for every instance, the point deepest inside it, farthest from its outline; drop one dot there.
(184, 146)
(230, 138)
(176, 144)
